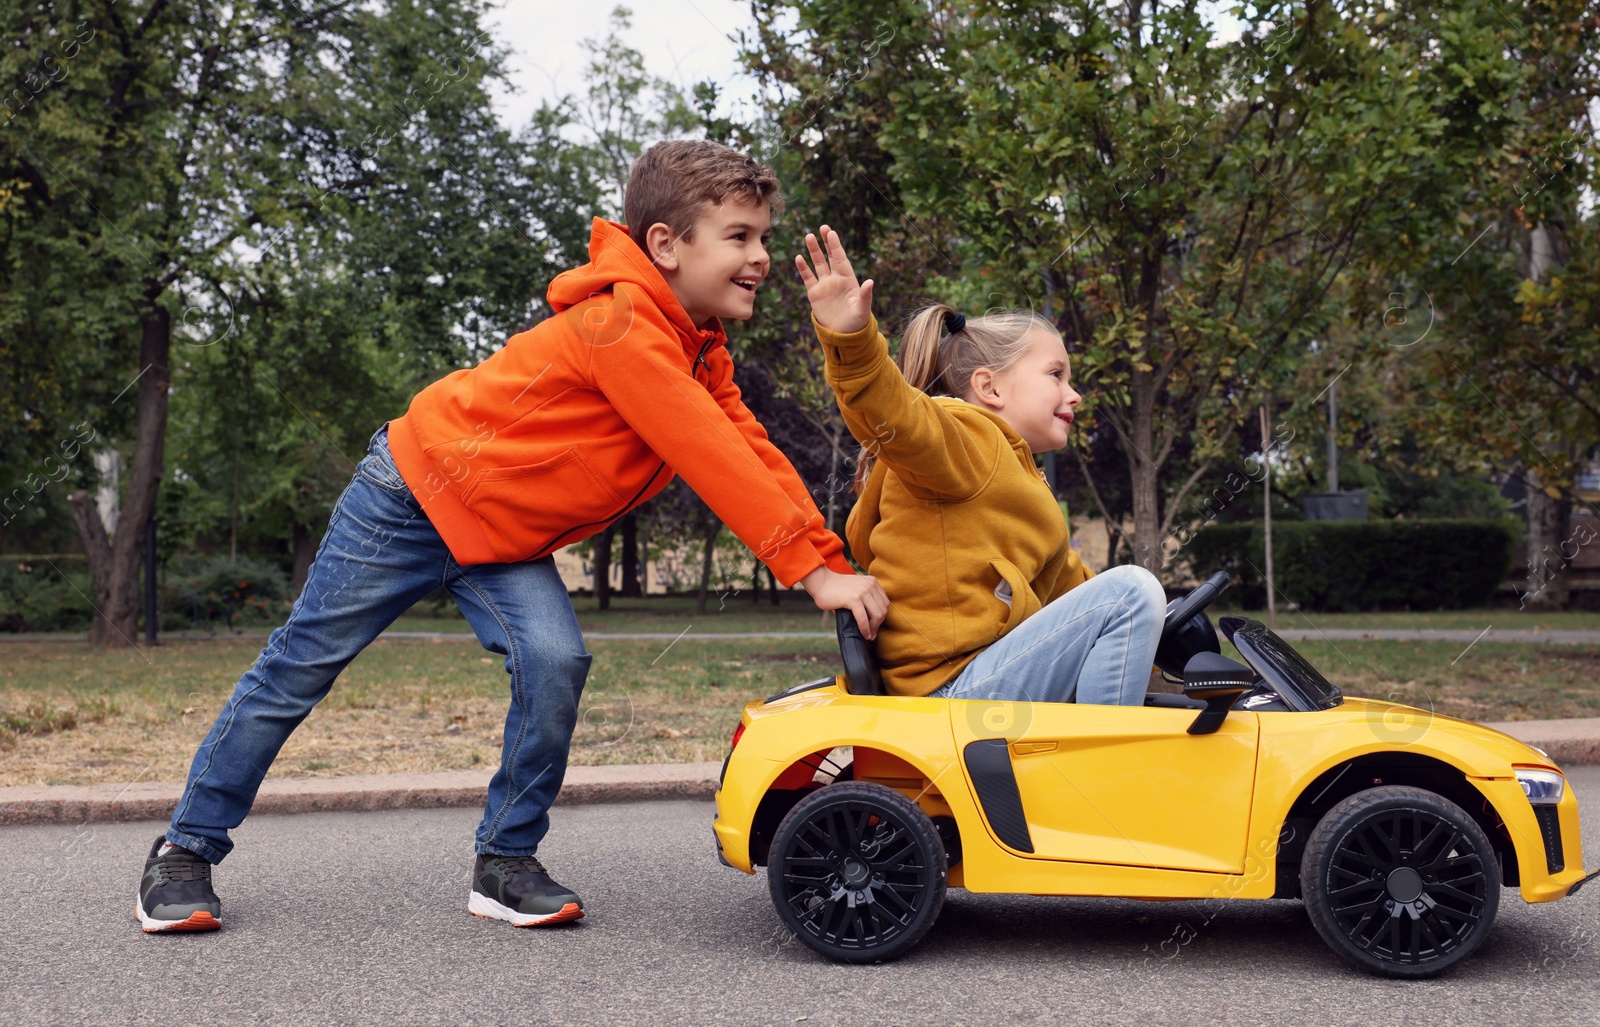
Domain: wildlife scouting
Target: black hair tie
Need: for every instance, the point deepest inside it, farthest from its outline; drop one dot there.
(953, 322)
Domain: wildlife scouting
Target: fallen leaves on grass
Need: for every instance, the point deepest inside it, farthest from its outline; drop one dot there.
(76, 715)
(402, 706)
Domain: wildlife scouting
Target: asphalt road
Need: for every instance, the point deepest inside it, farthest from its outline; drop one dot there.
(361, 918)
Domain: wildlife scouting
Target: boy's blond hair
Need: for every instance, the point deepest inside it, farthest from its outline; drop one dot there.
(674, 183)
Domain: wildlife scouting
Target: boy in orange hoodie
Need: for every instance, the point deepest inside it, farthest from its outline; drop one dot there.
(492, 469)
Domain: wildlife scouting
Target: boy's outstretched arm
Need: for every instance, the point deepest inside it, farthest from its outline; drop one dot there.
(835, 585)
(650, 384)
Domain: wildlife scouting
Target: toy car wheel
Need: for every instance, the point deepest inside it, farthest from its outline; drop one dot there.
(857, 871)
(1400, 881)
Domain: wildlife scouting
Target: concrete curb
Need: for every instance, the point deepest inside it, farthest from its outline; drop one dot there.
(1569, 742)
(80, 804)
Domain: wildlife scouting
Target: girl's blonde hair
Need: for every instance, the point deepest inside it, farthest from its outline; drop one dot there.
(941, 364)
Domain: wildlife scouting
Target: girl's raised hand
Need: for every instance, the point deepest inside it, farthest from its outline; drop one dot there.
(837, 302)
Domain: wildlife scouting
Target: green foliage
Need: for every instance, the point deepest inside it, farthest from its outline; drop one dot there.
(1509, 374)
(1189, 210)
(36, 596)
(321, 197)
(211, 588)
(1372, 565)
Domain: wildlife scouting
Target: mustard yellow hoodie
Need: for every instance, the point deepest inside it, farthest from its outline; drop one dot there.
(955, 521)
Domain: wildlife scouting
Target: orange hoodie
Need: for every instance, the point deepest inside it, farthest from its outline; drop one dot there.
(588, 414)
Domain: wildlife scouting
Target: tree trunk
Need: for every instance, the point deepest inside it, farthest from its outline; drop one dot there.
(772, 585)
(602, 569)
(1548, 530)
(305, 548)
(1145, 477)
(92, 530)
(630, 558)
(118, 558)
(1548, 516)
(833, 475)
(711, 527)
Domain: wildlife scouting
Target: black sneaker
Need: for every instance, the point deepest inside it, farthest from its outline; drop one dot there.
(176, 894)
(517, 889)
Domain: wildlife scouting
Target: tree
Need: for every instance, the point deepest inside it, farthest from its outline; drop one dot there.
(187, 154)
(623, 110)
(825, 81)
(1511, 374)
(1183, 206)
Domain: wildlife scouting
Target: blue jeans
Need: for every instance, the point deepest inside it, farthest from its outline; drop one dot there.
(1095, 644)
(379, 557)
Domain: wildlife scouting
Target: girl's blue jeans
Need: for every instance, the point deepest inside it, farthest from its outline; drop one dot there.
(379, 557)
(1095, 644)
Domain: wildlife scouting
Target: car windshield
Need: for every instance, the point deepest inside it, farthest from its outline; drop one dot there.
(1289, 674)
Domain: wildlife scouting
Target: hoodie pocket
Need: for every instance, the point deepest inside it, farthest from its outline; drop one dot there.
(1013, 590)
(524, 509)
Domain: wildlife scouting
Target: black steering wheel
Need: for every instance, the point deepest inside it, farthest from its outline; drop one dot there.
(1187, 630)
(1180, 610)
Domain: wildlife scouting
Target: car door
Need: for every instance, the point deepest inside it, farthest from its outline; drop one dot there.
(1110, 784)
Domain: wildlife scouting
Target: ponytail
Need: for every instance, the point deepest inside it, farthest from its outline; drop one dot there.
(919, 348)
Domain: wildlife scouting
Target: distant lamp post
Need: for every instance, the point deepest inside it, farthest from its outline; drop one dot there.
(1334, 505)
(1266, 515)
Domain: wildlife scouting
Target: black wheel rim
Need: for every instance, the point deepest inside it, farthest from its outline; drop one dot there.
(854, 876)
(1407, 886)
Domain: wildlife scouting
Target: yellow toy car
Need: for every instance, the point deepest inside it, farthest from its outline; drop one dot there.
(1397, 828)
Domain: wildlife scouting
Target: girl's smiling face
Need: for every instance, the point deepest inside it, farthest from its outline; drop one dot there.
(1034, 395)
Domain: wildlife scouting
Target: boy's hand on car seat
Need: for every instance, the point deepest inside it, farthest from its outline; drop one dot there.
(837, 302)
(859, 593)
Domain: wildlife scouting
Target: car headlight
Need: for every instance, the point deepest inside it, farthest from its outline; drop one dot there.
(1542, 787)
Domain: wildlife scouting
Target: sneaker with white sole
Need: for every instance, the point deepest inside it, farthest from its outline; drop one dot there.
(518, 890)
(175, 894)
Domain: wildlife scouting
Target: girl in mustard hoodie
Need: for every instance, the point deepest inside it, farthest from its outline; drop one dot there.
(953, 517)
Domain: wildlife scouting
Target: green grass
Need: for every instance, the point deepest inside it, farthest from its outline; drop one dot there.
(1502, 619)
(1486, 682)
(660, 615)
(736, 613)
(70, 714)
(673, 614)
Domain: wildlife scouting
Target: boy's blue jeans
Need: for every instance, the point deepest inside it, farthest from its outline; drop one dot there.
(379, 557)
(1095, 644)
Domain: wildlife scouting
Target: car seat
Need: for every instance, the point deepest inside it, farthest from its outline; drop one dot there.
(860, 662)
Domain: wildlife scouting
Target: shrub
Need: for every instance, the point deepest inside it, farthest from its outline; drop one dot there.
(243, 588)
(34, 596)
(1363, 565)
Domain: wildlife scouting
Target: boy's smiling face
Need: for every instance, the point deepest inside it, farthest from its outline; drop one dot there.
(717, 272)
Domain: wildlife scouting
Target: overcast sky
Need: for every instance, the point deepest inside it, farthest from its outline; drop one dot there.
(686, 41)
(682, 41)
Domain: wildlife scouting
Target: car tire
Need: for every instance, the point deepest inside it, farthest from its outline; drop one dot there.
(857, 872)
(1400, 881)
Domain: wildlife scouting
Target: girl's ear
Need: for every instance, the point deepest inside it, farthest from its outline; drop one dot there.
(981, 389)
(660, 244)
